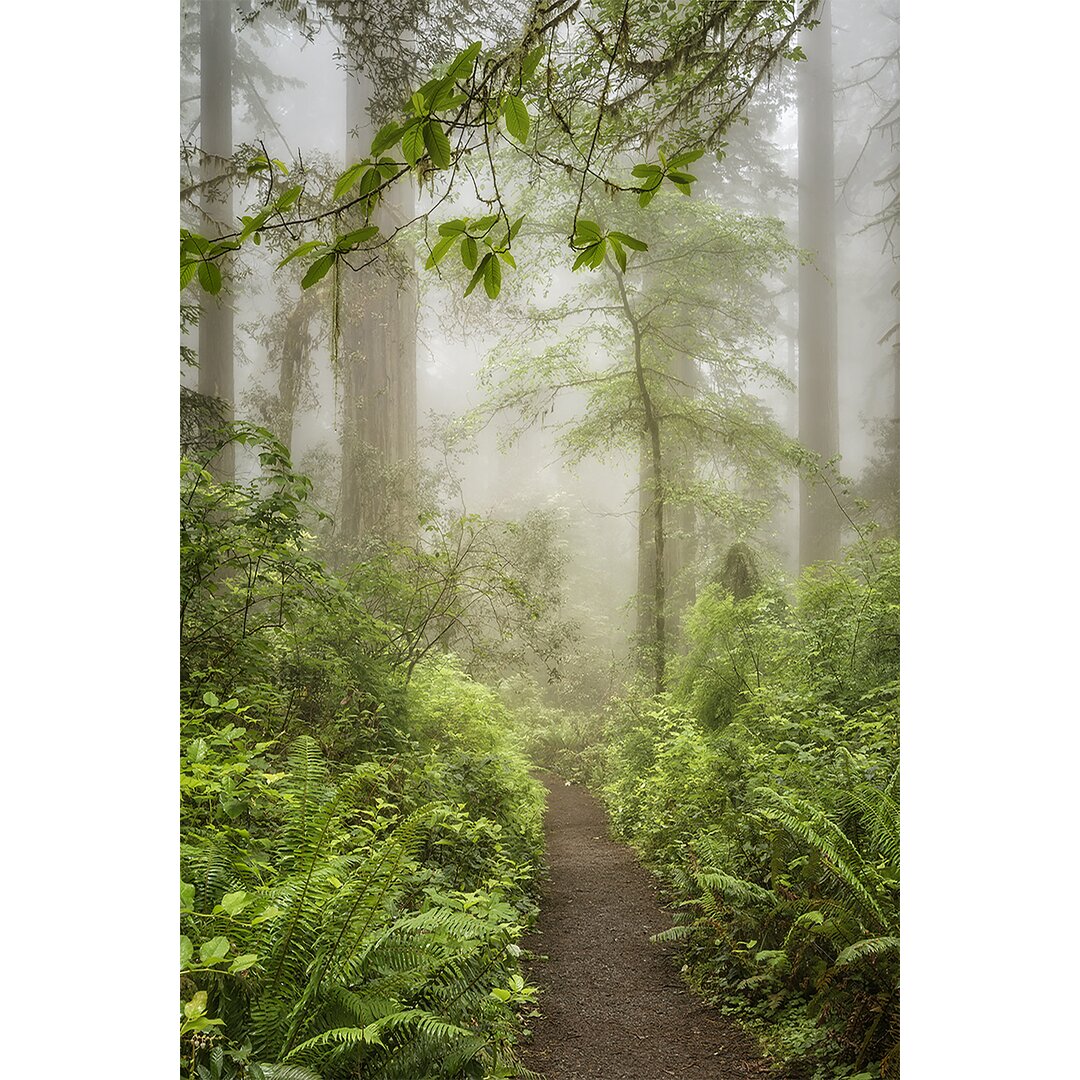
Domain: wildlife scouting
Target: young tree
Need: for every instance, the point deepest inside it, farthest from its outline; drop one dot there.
(663, 362)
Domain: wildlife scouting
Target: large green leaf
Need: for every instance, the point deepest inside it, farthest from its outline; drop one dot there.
(437, 143)
(412, 144)
(439, 250)
(493, 277)
(348, 178)
(465, 61)
(209, 277)
(318, 270)
(517, 117)
(214, 951)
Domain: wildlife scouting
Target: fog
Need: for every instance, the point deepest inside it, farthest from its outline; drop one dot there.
(289, 100)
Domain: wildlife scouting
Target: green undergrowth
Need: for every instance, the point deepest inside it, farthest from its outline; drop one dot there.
(763, 789)
(359, 837)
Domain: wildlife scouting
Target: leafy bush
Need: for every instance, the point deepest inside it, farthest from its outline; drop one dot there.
(765, 789)
(358, 848)
(570, 744)
(332, 948)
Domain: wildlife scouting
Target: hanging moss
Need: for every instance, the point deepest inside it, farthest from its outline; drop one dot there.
(740, 575)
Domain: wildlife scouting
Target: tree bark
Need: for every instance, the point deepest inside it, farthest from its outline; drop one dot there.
(378, 357)
(215, 140)
(295, 348)
(819, 520)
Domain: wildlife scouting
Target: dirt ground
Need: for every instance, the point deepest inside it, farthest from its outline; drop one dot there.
(614, 1006)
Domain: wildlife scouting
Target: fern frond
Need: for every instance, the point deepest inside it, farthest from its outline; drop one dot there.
(289, 1072)
(810, 824)
(869, 948)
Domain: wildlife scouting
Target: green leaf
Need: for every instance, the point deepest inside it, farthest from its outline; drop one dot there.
(469, 252)
(412, 144)
(318, 270)
(214, 951)
(242, 963)
(620, 254)
(301, 251)
(508, 258)
(419, 103)
(452, 228)
(587, 231)
(479, 273)
(532, 61)
(187, 272)
(646, 170)
(442, 95)
(514, 228)
(196, 1006)
(517, 117)
(348, 178)
(439, 250)
(387, 136)
(210, 277)
(682, 160)
(492, 277)
(187, 950)
(438, 145)
(584, 256)
(465, 61)
(629, 241)
(235, 902)
(187, 896)
(193, 244)
(359, 236)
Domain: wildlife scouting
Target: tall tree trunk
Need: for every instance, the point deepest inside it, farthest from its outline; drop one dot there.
(215, 139)
(295, 349)
(819, 431)
(791, 428)
(378, 355)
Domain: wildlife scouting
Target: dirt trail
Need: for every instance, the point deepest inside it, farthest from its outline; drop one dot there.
(613, 1003)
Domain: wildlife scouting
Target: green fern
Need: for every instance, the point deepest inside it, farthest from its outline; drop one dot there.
(347, 974)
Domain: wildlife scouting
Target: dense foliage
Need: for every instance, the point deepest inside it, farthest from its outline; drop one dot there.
(764, 788)
(358, 847)
(360, 833)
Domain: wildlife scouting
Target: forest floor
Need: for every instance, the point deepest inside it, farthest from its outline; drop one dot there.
(613, 1005)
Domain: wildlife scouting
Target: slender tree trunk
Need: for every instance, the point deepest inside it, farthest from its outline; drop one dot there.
(820, 520)
(652, 572)
(682, 541)
(791, 428)
(215, 139)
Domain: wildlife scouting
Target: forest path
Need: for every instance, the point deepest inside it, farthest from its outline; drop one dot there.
(613, 1005)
